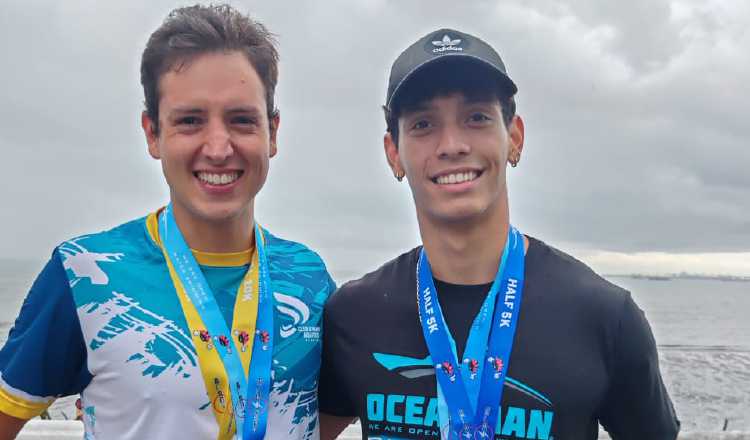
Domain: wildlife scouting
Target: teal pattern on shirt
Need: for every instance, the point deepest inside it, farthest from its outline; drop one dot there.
(139, 354)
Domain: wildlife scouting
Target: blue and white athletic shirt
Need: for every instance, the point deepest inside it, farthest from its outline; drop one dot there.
(103, 319)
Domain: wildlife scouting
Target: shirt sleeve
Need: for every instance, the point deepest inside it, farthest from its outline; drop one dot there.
(331, 285)
(45, 355)
(333, 399)
(637, 405)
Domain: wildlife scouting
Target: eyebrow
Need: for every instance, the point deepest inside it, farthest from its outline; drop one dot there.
(424, 106)
(186, 111)
(244, 109)
(178, 111)
(416, 108)
(483, 99)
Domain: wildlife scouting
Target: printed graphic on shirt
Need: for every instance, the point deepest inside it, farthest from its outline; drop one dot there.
(138, 343)
(581, 344)
(397, 416)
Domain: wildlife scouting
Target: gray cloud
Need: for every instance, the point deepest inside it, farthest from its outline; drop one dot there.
(635, 115)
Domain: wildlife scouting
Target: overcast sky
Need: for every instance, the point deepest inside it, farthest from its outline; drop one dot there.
(637, 119)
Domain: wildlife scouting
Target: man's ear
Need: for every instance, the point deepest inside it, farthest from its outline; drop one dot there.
(274, 130)
(392, 155)
(516, 135)
(149, 130)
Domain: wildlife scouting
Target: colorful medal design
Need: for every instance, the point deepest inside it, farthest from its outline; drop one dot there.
(473, 366)
(224, 342)
(497, 366)
(205, 337)
(264, 337)
(243, 338)
(447, 368)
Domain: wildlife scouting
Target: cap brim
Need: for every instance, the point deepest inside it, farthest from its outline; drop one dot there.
(468, 59)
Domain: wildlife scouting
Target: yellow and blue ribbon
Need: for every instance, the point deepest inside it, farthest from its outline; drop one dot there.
(239, 400)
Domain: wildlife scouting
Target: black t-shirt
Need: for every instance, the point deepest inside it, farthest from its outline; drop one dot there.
(583, 353)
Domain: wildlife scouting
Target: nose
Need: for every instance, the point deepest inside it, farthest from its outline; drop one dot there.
(217, 146)
(452, 142)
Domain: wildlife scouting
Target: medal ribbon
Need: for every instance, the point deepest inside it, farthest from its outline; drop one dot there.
(225, 356)
(473, 405)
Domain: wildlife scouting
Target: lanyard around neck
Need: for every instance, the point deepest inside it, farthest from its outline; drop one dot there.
(225, 355)
(472, 389)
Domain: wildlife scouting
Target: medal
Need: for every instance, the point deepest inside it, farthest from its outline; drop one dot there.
(227, 357)
(471, 406)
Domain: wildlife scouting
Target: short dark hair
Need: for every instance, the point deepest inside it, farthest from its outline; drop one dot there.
(195, 30)
(442, 79)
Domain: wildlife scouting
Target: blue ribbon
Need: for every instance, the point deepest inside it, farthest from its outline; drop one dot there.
(473, 405)
(259, 377)
(200, 294)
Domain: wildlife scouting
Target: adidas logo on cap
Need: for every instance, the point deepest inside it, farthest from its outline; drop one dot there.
(447, 44)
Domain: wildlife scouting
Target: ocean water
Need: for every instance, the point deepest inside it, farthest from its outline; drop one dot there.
(703, 333)
(701, 327)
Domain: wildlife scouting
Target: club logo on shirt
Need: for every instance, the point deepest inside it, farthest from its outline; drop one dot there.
(389, 414)
(294, 309)
(413, 368)
(417, 416)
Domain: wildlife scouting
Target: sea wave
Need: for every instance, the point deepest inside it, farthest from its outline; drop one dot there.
(703, 348)
(709, 385)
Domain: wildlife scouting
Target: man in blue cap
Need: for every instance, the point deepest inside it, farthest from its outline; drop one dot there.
(482, 332)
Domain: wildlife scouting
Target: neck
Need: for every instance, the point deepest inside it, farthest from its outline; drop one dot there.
(466, 252)
(233, 234)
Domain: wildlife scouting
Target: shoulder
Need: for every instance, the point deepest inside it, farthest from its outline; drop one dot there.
(115, 254)
(127, 237)
(382, 284)
(291, 253)
(295, 268)
(562, 275)
(51, 289)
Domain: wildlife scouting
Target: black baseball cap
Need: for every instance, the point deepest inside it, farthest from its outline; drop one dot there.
(439, 46)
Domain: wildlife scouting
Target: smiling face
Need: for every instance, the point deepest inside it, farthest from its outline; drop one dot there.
(454, 152)
(214, 139)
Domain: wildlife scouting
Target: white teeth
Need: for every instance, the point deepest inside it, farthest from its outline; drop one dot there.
(457, 178)
(218, 179)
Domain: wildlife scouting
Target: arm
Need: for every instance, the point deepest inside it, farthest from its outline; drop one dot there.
(44, 356)
(9, 426)
(336, 409)
(330, 426)
(637, 405)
